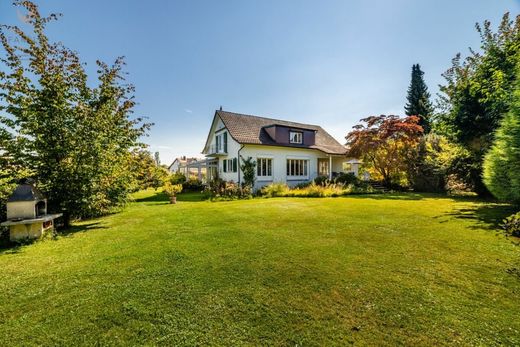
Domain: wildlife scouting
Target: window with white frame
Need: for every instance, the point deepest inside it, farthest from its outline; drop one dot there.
(264, 167)
(298, 168)
(296, 137)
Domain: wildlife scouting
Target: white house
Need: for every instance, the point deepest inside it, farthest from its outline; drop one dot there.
(284, 151)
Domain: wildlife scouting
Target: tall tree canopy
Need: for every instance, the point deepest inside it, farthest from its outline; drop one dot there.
(502, 162)
(385, 143)
(418, 99)
(75, 139)
(478, 91)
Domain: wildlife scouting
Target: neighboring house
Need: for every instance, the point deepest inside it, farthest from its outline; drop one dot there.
(284, 151)
(189, 167)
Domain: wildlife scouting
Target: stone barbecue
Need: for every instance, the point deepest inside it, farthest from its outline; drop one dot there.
(27, 216)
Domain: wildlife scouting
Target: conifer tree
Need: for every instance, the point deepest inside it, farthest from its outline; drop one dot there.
(502, 162)
(418, 99)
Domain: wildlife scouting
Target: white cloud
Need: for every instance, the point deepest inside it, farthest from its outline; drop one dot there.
(187, 110)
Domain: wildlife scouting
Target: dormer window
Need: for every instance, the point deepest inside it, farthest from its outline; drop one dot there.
(296, 137)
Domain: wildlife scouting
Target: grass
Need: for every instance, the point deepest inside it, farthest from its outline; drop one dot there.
(369, 270)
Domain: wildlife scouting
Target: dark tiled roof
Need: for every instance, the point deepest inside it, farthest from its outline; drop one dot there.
(247, 129)
(26, 192)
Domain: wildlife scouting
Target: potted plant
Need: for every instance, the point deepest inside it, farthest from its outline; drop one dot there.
(172, 190)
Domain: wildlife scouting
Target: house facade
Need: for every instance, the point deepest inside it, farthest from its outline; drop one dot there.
(284, 151)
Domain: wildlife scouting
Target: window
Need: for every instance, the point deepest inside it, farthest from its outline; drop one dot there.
(264, 167)
(323, 167)
(221, 143)
(295, 137)
(297, 167)
(229, 165)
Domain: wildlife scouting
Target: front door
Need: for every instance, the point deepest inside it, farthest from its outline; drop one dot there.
(323, 167)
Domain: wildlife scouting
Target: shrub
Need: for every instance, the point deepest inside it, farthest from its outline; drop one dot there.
(347, 178)
(512, 225)
(219, 189)
(275, 189)
(193, 185)
(177, 178)
(172, 189)
(314, 190)
(320, 180)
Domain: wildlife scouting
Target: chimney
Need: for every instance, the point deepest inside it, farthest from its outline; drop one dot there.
(220, 107)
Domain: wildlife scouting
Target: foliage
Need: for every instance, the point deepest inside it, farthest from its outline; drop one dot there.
(320, 180)
(219, 189)
(193, 185)
(502, 162)
(248, 170)
(418, 99)
(347, 178)
(478, 91)
(172, 189)
(177, 178)
(76, 139)
(147, 173)
(313, 189)
(385, 144)
(431, 163)
(512, 225)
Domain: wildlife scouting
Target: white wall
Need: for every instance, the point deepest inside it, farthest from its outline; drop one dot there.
(280, 155)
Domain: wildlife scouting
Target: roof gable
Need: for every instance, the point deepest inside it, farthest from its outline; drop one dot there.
(247, 129)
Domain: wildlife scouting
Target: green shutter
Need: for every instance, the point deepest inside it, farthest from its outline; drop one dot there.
(235, 165)
(224, 165)
(225, 142)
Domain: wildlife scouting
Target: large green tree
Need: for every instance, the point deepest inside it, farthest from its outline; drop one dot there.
(502, 162)
(478, 93)
(418, 99)
(75, 138)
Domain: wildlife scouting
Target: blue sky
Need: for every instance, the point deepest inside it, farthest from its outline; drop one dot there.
(321, 62)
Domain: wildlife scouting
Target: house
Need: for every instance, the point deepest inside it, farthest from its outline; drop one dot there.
(284, 151)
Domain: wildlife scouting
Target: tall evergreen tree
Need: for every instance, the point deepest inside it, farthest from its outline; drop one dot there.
(502, 162)
(418, 99)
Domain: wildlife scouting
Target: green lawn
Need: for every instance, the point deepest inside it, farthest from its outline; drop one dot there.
(369, 270)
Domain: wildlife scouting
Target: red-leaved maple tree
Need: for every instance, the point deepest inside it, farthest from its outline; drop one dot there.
(385, 143)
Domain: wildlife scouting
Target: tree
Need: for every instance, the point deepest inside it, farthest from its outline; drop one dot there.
(432, 161)
(147, 173)
(385, 143)
(74, 138)
(418, 99)
(157, 159)
(248, 170)
(478, 92)
(502, 162)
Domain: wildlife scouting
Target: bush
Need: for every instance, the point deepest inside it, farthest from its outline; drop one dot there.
(172, 189)
(512, 225)
(193, 185)
(320, 180)
(177, 178)
(275, 189)
(347, 178)
(219, 189)
(313, 190)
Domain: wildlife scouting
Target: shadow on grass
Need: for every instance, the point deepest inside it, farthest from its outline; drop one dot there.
(10, 247)
(80, 228)
(161, 198)
(488, 215)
